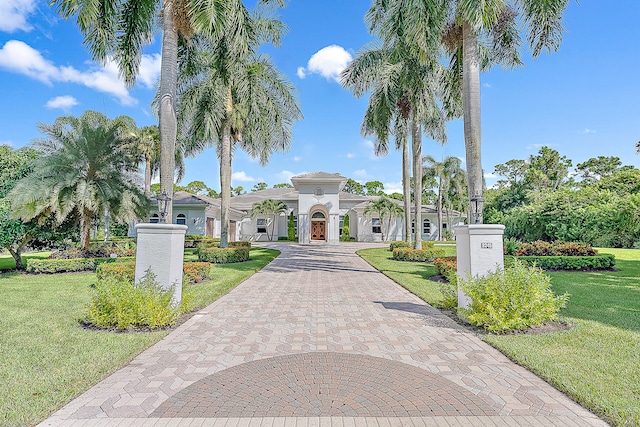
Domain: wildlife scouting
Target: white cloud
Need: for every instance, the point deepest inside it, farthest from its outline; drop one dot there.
(327, 62)
(63, 102)
(350, 155)
(297, 158)
(242, 177)
(487, 85)
(587, 130)
(361, 173)
(393, 187)
(9, 143)
(490, 175)
(14, 13)
(21, 58)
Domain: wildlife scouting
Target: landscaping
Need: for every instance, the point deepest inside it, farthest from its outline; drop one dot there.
(49, 358)
(596, 360)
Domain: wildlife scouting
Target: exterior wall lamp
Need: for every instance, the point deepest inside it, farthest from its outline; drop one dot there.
(163, 204)
(477, 203)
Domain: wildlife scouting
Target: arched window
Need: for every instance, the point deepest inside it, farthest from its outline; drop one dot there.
(318, 215)
(426, 226)
(181, 219)
(154, 219)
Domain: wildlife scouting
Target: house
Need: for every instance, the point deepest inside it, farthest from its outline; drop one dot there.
(319, 207)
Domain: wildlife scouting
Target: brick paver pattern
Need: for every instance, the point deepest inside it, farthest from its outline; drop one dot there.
(319, 333)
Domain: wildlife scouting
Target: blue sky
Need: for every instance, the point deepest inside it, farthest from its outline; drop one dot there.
(582, 100)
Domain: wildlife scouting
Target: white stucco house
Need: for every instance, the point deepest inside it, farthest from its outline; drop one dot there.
(319, 207)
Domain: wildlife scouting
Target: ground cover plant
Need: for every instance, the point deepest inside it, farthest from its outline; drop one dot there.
(595, 361)
(48, 358)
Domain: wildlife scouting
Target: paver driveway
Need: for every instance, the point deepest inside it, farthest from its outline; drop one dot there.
(319, 337)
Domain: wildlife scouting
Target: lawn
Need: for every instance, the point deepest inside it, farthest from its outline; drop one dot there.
(8, 263)
(597, 362)
(48, 359)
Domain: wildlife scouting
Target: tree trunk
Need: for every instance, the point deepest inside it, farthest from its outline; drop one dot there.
(440, 209)
(17, 256)
(225, 185)
(168, 122)
(85, 229)
(471, 109)
(406, 189)
(147, 177)
(416, 142)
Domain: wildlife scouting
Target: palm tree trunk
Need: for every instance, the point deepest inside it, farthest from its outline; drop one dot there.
(147, 177)
(225, 185)
(406, 189)
(471, 109)
(168, 121)
(85, 229)
(440, 209)
(416, 142)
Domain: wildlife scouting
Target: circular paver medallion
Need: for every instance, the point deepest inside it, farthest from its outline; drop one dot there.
(323, 384)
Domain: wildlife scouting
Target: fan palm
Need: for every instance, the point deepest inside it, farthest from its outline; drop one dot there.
(120, 29)
(84, 169)
(478, 35)
(231, 101)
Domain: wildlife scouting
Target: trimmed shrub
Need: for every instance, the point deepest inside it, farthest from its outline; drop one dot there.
(120, 247)
(597, 262)
(192, 271)
(408, 254)
(40, 266)
(223, 255)
(117, 303)
(291, 229)
(399, 244)
(193, 240)
(514, 298)
(542, 248)
(428, 244)
(195, 272)
(445, 265)
(240, 244)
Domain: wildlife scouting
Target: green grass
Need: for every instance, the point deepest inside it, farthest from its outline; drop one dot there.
(48, 359)
(597, 362)
(8, 263)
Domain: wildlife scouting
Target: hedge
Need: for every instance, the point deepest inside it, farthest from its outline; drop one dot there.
(424, 255)
(49, 266)
(596, 262)
(223, 255)
(193, 272)
(193, 240)
(399, 244)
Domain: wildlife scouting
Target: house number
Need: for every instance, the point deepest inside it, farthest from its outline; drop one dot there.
(486, 245)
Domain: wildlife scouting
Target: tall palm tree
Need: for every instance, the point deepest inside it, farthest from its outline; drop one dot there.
(384, 207)
(462, 27)
(121, 29)
(403, 99)
(443, 172)
(231, 100)
(84, 170)
(270, 209)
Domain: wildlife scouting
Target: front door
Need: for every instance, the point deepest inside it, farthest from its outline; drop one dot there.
(318, 230)
(232, 231)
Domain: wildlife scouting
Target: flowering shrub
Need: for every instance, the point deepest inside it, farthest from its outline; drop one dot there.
(192, 271)
(399, 244)
(542, 248)
(424, 255)
(445, 265)
(196, 272)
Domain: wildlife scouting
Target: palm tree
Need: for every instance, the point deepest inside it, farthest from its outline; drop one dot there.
(402, 101)
(121, 29)
(443, 172)
(384, 207)
(231, 100)
(84, 170)
(269, 209)
(459, 26)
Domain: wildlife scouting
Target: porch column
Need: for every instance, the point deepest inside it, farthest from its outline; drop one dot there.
(304, 230)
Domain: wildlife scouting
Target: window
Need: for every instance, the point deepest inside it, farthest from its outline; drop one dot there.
(181, 219)
(318, 215)
(413, 226)
(295, 223)
(426, 226)
(262, 225)
(375, 225)
(444, 225)
(154, 219)
(341, 223)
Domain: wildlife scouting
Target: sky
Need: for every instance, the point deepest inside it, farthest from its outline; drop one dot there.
(583, 101)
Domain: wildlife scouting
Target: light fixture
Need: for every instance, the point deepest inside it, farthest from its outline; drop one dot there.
(163, 205)
(477, 203)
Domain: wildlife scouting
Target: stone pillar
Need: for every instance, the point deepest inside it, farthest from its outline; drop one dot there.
(304, 232)
(333, 229)
(479, 252)
(160, 248)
